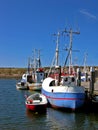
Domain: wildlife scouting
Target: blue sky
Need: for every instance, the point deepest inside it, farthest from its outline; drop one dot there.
(26, 25)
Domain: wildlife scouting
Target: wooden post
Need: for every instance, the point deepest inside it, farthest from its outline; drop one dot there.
(86, 76)
(78, 77)
(59, 75)
(92, 80)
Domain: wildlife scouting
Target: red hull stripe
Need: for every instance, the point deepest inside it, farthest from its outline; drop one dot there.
(65, 98)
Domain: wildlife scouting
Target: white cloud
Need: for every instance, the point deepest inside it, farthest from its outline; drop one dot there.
(88, 14)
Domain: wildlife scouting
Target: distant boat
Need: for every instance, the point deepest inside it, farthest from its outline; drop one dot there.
(33, 78)
(27, 77)
(22, 85)
(36, 102)
(62, 90)
(37, 73)
(37, 79)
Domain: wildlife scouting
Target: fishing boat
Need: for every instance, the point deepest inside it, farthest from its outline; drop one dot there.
(36, 102)
(22, 85)
(37, 73)
(34, 76)
(25, 79)
(37, 79)
(62, 90)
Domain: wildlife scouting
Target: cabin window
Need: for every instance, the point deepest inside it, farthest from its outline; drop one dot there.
(73, 79)
(52, 83)
(66, 79)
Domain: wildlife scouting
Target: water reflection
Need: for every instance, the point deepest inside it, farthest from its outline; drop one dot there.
(60, 120)
(37, 120)
(31, 114)
(70, 121)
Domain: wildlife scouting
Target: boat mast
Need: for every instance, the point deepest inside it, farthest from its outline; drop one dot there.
(34, 64)
(29, 65)
(55, 61)
(39, 61)
(85, 59)
(57, 50)
(70, 32)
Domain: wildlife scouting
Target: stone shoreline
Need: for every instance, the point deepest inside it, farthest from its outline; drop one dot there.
(12, 72)
(10, 76)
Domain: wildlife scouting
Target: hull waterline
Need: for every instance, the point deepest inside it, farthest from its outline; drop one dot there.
(65, 100)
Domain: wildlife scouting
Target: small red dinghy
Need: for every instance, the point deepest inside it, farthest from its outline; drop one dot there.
(36, 102)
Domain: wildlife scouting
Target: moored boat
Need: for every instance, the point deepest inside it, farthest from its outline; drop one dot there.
(66, 95)
(36, 102)
(37, 79)
(62, 90)
(22, 85)
(34, 76)
(35, 86)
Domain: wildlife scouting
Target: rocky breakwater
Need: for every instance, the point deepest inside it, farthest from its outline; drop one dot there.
(12, 72)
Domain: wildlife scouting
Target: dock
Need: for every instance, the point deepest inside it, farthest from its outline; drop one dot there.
(91, 90)
(87, 86)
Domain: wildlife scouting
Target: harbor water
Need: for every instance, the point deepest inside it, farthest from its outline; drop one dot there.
(15, 116)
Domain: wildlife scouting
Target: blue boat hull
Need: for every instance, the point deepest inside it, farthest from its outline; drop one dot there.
(65, 100)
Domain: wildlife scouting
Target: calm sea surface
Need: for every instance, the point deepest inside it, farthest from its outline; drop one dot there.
(14, 116)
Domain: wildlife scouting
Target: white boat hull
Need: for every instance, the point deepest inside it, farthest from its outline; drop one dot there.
(21, 87)
(35, 86)
(71, 97)
(36, 102)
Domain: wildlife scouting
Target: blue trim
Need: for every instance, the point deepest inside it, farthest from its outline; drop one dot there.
(65, 100)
